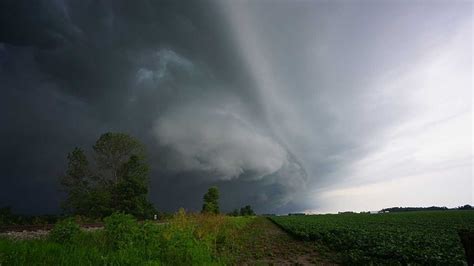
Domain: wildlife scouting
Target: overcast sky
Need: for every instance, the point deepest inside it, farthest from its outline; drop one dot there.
(317, 106)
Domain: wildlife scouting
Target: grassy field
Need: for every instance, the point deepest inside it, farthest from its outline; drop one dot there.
(429, 238)
(183, 240)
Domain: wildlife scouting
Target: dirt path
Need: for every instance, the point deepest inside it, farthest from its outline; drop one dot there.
(264, 243)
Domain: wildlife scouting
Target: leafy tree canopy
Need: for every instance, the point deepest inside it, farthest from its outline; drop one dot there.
(247, 211)
(118, 183)
(211, 201)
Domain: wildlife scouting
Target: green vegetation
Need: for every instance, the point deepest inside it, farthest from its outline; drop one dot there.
(211, 201)
(186, 239)
(432, 208)
(244, 211)
(117, 181)
(65, 231)
(429, 238)
(7, 217)
(247, 211)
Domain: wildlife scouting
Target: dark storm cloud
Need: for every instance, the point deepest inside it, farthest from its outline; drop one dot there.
(165, 71)
(284, 105)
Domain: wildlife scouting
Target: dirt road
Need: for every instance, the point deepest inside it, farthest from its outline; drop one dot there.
(264, 243)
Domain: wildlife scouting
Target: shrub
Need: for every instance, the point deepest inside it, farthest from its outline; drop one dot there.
(65, 231)
(150, 234)
(180, 245)
(121, 230)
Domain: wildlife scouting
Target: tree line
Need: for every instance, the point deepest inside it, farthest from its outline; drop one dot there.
(432, 208)
(115, 178)
(211, 204)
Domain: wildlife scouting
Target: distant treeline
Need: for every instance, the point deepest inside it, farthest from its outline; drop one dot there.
(7, 217)
(432, 208)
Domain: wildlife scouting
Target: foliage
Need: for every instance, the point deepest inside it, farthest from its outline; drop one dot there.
(244, 211)
(76, 182)
(65, 231)
(183, 247)
(466, 207)
(247, 211)
(235, 212)
(432, 208)
(211, 201)
(467, 239)
(121, 230)
(7, 217)
(119, 183)
(112, 150)
(203, 234)
(410, 209)
(186, 239)
(408, 238)
(131, 190)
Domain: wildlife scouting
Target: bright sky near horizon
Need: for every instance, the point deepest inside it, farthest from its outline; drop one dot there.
(416, 105)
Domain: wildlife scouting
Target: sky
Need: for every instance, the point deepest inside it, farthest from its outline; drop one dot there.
(289, 106)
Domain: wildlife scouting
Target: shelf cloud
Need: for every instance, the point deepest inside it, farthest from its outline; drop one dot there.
(287, 106)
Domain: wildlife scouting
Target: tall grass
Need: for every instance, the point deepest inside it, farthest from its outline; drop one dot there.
(187, 239)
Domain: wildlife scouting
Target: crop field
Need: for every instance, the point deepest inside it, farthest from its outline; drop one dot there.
(407, 238)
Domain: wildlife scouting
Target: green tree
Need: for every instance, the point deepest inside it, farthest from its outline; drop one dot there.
(112, 150)
(119, 182)
(235, 212)
(131, 190)
(211, 201)
(247, 211)
(76, 182)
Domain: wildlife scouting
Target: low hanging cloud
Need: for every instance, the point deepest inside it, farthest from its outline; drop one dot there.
(219, 140)
(210, 129)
